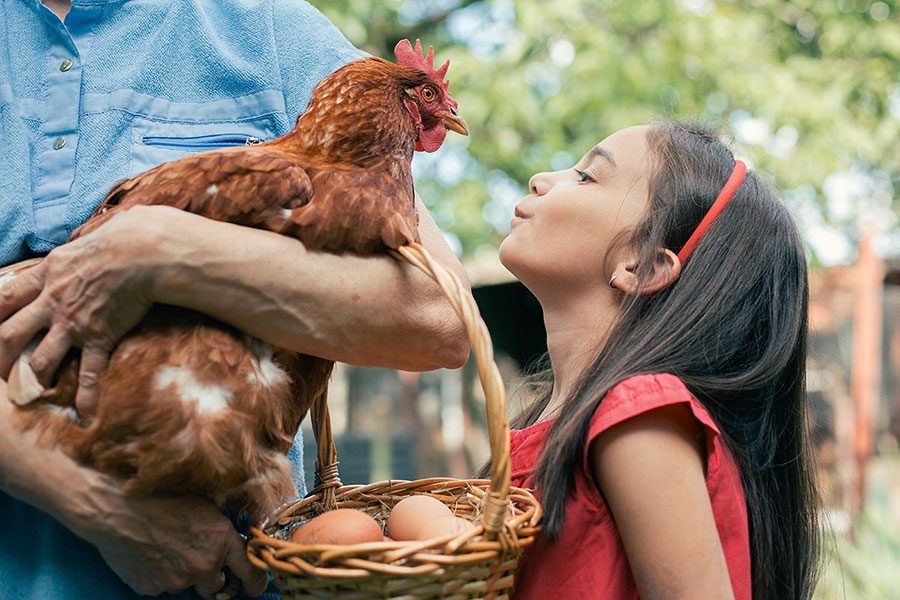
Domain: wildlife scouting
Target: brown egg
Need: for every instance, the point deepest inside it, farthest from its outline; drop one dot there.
(423, 517)
(339, 526)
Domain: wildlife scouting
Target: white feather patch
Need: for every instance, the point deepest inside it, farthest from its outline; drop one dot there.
(264, 370)
(65, 412)
(212, 189)
(207, 399)
(266, 373)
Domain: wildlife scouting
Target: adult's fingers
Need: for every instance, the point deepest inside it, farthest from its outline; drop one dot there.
(93, 362)
(209, 586)
(16, 332)
(253, 579)
(18, 290)
(48, 354)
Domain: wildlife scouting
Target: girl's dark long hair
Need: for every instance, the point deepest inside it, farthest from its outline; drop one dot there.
(733, 328)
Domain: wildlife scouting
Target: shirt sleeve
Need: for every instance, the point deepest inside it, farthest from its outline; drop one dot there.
(643, 393)
(308, 47)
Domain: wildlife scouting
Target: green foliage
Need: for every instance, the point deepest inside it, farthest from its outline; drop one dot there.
(808, 87)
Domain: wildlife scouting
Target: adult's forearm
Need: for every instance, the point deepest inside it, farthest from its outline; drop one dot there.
(35, 475)
(369, 311)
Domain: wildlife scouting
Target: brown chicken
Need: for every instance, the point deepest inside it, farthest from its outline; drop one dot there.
(190, 405)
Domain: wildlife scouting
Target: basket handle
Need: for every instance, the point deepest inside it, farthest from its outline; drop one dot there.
(327, 478)
(492, 383)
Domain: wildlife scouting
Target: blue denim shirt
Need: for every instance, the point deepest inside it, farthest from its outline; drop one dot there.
(119, 87)
(124, 85)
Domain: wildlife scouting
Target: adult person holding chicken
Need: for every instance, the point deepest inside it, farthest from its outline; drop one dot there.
(97, 91)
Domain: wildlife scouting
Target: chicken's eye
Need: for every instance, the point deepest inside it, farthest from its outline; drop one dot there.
(428, 94)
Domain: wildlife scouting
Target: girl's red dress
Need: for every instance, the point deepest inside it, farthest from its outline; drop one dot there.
(588, 560)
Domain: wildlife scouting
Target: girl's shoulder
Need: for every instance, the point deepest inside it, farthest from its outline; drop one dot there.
(642, 393)
(631, 399)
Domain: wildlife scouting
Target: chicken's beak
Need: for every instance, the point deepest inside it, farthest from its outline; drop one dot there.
(454, 122)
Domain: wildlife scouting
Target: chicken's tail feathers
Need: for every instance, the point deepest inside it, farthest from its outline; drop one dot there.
(309, 376)
(259, 496)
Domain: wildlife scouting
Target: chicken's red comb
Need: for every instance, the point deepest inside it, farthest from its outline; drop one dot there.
(408, 57)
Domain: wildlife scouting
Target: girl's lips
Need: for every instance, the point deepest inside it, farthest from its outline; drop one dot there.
(518, 217)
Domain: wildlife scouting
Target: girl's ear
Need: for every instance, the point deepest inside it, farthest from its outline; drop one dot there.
(666, 270)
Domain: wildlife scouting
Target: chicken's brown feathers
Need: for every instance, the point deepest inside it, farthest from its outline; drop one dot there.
(250, 185)
(192, 405)
(356, 116)
(361, 210)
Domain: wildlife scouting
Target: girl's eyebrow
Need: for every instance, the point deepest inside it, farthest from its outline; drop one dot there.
(600, 151)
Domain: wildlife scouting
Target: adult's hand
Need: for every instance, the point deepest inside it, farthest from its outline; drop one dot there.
(158, 545)
(152, 544)
(85, 294)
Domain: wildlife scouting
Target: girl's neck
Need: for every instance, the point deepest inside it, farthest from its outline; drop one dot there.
(576, 329)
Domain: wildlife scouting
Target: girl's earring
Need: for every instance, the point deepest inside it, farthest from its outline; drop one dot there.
(611, 279)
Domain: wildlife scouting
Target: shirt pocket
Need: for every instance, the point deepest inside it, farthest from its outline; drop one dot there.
(156, 142)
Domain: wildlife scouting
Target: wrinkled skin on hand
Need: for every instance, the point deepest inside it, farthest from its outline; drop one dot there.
(158, 545)
(85, 294)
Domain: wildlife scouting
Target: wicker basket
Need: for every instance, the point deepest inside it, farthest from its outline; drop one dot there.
(480, 563)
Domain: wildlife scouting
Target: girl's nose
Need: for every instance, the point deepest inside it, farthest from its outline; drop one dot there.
(539, 183)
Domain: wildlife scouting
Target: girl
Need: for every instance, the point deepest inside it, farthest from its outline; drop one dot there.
(671, 453)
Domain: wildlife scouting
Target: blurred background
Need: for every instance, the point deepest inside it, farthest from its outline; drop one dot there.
(809, 94)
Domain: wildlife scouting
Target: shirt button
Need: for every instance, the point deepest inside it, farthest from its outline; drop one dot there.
(65, 65)
(60, 142)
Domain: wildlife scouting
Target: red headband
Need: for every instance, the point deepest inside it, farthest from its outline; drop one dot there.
(731, 186)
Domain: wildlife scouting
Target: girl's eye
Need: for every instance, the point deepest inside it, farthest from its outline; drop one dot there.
(428, 94)
(584, 176)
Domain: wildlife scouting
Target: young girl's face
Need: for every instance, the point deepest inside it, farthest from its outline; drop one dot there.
(563, 232)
